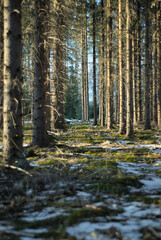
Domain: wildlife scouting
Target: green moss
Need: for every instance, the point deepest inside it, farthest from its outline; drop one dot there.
(118, 184)
(91, 212)
(56, 163)
(126, 157)
(146, 199)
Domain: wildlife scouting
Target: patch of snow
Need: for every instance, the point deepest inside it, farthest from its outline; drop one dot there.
(33, 230)
(4, 226)
(26, 122)
(110, 148)
(62, 184)
(92, 231)
(29, 192)
(74, 198)
(139, 210)
(129, 228)
(151, 147)
(157, 150)
(34, 164)
(122, 141)
(46, 213)
(45, 194)
(26, 144)
(30, 238)
(138, 168)
(75, 166)
(83, 195)
(157, 163)
(151, 185)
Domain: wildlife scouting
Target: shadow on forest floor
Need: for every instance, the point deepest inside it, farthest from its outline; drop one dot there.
(92, 185)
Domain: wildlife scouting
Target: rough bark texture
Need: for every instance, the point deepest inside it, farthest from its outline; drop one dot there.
(134, 76)
(58, 68)
(102, 70)
(12, 105)
(1, 63)
(159, 60)
(147, 72)
(155, 71)
(109, 67)
(41, 116)
(121, 79)
(129, 119)
(138, 36)
(84, 43)
(82, 74)
(86, 72)
(94, 66)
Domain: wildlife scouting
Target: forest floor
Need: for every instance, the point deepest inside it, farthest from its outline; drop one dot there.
(91, 185)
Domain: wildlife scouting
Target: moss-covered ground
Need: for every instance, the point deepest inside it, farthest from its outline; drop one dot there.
(79, 179)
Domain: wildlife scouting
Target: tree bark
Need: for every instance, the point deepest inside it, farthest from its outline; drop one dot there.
(1, 63)
(86, 69)
(159, 60)
(58, 69)
(12, 72)
(139, 73)
(94, 65)
(109, 67)
(134, 71)
(102, 70)
(41, 115)
(147, 72)
(122, 125)
(155, 71)
(129, 119)
(84, 52)
(82, 73)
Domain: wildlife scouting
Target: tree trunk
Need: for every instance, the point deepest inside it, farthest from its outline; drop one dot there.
(84, 52)
(82, 74)
(134, 71)
(12, 104)
(121, 79)
(86, 70)
(109, 67)
(58, 66)
(129, 119)
(94, 66)
(155, 71)
(102, 70)
(159, 60)
(138, 36)
(41, 115)
(147, 72)
(1, 63)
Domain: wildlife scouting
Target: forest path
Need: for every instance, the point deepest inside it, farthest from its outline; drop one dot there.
(93, 185)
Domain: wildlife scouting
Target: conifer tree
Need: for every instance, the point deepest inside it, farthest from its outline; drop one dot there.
(58, 65)
(129, 119)
(109, 67)
(94, 63)
(1, 63)
(147, 70)
(41, 114)
(12, 72)
(102, 68)
(121, 78)
(158, 5)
